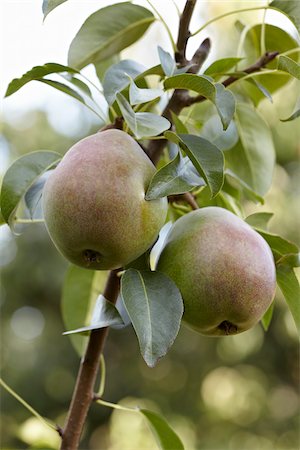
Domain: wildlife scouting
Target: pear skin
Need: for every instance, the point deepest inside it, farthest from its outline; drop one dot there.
(94, 202)
(224, 269)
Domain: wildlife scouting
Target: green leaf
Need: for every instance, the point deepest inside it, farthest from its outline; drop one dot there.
(279, 245)
(138, 95)
(222, 66)
(225, 104)
(116, 78)
(36, 73)
(80, 291)
(20, 177)
(294, 116)
(176, 177)
(64, 88)
(261, 88)
(155, 307)
(253, 158)
(155, 70)
(290, 288)
(288, 65)
(105, 314)
(179, 125)
(33, 197)
(49, 5)
(290, 8)
(205, 156)
(259, 220)
(213, 131)
(267, 317)
(107, 32)
(196, 83)
(79, 84)
(249, 192)
(165, 437)
(101, 67)
(222, 98)
(142, 124)
(167, 62)
(276, 40)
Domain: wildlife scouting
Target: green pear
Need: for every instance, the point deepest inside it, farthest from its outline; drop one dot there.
(94, 202)
(223, 268)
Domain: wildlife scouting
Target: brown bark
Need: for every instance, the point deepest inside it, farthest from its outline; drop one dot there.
(84, 388)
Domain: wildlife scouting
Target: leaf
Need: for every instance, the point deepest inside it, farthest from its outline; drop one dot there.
(225, 104)
(205, 156)
(33, 197)
(155, 307)
(49, 5)
(20, 177)
(290, 8)
(196, 83)
(138, 96)
(276, 40)
(222, 98)
(116, 78)
(253, 158)
(267, 317)
(108, 31)
(167, 62)
(80, 291)
(221, 66)
(212, 130)
(290, 288)
(179, 125)
(241, 185)
(142, 124)
(279, 245)
(261, 88)
(259, 220)
(166, 438)
(102, 66)
(294, 116)
(105, 314)
(176, 177)
(36, 73)
(64, 88)
(79, 84)
(289, 65)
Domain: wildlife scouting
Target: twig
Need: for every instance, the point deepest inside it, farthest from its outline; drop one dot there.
(184, 31)
(83, 392)
(186, 197)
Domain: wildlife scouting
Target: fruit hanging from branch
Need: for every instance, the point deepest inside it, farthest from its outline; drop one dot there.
(94, 202)
(223, 268)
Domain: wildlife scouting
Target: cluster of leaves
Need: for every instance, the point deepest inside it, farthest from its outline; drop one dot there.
(223, 154)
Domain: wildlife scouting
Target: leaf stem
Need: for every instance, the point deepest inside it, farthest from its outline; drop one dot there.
(289, 52)
(29, 221)
(28, 407)
(176, 6)
(263, 31)
(174, 47)
(221, 16)
(102, 375)
(116, 406)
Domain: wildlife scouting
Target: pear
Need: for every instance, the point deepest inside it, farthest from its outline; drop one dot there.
(94, 202)
(224, 269)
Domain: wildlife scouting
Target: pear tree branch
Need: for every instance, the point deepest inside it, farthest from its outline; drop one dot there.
(181, 98)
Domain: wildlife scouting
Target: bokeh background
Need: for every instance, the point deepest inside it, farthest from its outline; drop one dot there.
(232, 393)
